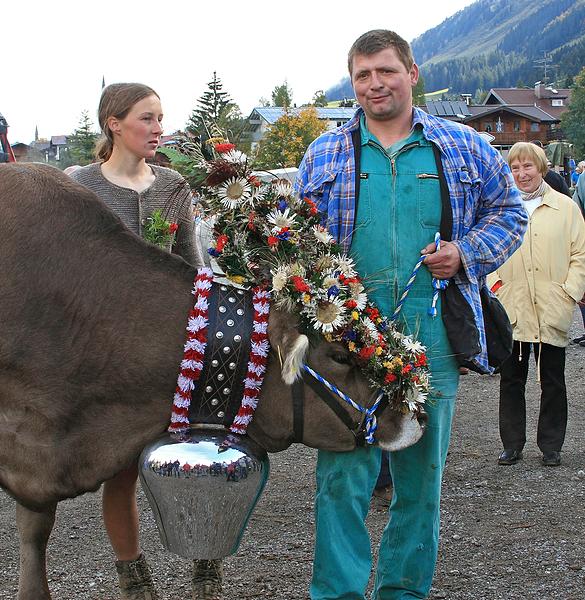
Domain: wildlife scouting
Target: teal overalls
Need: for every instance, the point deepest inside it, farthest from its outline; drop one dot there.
(398, 213)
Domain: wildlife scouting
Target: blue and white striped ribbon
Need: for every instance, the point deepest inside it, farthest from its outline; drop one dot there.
(438, 284)
(370, 422)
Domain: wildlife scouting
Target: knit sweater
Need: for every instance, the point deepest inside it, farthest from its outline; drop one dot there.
(169, 193)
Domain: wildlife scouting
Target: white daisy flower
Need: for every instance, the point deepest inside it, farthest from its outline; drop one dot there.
(234, 192)
(279, 278)
(322, 234)
(358, 294)
(370, 326)
(345, 265)
(330, 281)
(329, 315)
(283, 188)
(235, 157)
(280, 219)
(411, 345)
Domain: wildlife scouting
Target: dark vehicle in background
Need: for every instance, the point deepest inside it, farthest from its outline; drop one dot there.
(6, 154)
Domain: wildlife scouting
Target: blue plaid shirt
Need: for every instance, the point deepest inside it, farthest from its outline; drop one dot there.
(489, 219)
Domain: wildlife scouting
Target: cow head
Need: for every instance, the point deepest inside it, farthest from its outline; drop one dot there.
(272, 426)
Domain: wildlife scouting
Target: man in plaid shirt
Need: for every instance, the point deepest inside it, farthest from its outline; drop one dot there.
(416, 175)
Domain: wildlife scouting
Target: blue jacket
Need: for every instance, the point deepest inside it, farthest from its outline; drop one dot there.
(487, 213)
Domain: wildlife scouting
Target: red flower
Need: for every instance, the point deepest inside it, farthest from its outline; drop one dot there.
(300, 284)
(351, 303)
(421, 360)
(390, 378)
(251, 218)
(173, 227)
(406, 369)
(373, 313)
(222, 240)
(312, 205)
(272, 240)
(221, 148)
(367, 352)
(255, 181)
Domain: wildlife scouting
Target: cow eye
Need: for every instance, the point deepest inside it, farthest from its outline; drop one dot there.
(341, 358)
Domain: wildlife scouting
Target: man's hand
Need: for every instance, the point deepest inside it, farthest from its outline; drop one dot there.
(444, 263)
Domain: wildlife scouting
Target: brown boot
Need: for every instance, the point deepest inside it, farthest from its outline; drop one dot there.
(207, 579)
(135, 579)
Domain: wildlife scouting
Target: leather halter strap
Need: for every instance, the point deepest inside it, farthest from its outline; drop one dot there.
(298, 400)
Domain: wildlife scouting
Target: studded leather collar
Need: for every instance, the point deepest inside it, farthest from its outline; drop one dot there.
(217, 395)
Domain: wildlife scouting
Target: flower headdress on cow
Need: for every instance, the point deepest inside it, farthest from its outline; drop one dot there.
(265, 234)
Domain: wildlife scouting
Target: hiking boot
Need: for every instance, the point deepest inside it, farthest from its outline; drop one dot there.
(135, 580)
(207, 579)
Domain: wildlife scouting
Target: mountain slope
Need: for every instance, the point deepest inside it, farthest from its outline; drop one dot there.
(494, 43)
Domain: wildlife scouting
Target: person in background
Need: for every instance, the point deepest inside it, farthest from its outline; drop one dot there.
(130, 116)
(539, 286)
(463, 188)
(579, 198)
(555, 180)
(576, 172)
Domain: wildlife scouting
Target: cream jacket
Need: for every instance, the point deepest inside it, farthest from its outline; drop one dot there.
(545, 277)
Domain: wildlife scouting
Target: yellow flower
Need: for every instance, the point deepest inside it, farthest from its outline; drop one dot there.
(387, 364)
(351, 346)
(306, 298)
(355, 315)
(328, 337)
(379, 350)
(236, 279)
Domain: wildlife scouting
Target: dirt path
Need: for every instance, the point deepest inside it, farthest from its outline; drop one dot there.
(514, 533)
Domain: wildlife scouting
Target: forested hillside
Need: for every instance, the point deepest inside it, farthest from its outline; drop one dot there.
(495, 43)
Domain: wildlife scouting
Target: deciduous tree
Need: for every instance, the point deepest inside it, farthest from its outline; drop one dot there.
(287, 140)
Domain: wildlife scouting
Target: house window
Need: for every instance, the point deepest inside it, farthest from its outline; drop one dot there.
(488, 127)
(339, 123)
(534, 126)
(516, 125)
(557, 102)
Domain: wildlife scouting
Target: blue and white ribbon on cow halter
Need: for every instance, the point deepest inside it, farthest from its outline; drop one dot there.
(370, 422)
(438, 284)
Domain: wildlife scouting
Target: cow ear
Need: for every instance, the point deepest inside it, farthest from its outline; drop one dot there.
(290, 345)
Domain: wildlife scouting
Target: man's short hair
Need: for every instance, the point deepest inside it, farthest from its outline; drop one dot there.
(377, 40)
(530, 151)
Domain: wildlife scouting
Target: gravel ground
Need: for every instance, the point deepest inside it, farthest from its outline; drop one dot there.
(512, 533)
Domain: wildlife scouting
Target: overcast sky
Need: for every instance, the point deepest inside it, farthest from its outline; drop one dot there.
(54, 54)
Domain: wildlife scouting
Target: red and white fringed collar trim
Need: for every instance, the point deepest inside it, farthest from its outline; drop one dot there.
(194, 352)
(259, 349)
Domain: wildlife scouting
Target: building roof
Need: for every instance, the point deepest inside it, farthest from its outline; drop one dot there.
(448, 108)
(534, 113)
(271, 114)
(525, 96)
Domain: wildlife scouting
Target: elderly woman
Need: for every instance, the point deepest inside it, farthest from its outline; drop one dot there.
(539, 286)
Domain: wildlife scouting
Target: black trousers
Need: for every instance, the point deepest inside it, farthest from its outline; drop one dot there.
(552, 419)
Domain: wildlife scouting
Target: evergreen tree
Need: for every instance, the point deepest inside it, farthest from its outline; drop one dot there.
(282, 95)
(212, 106)
(418, 93)
(573, 119)
(81, 144)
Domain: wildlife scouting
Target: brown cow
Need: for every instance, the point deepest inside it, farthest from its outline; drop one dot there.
(92, 324)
